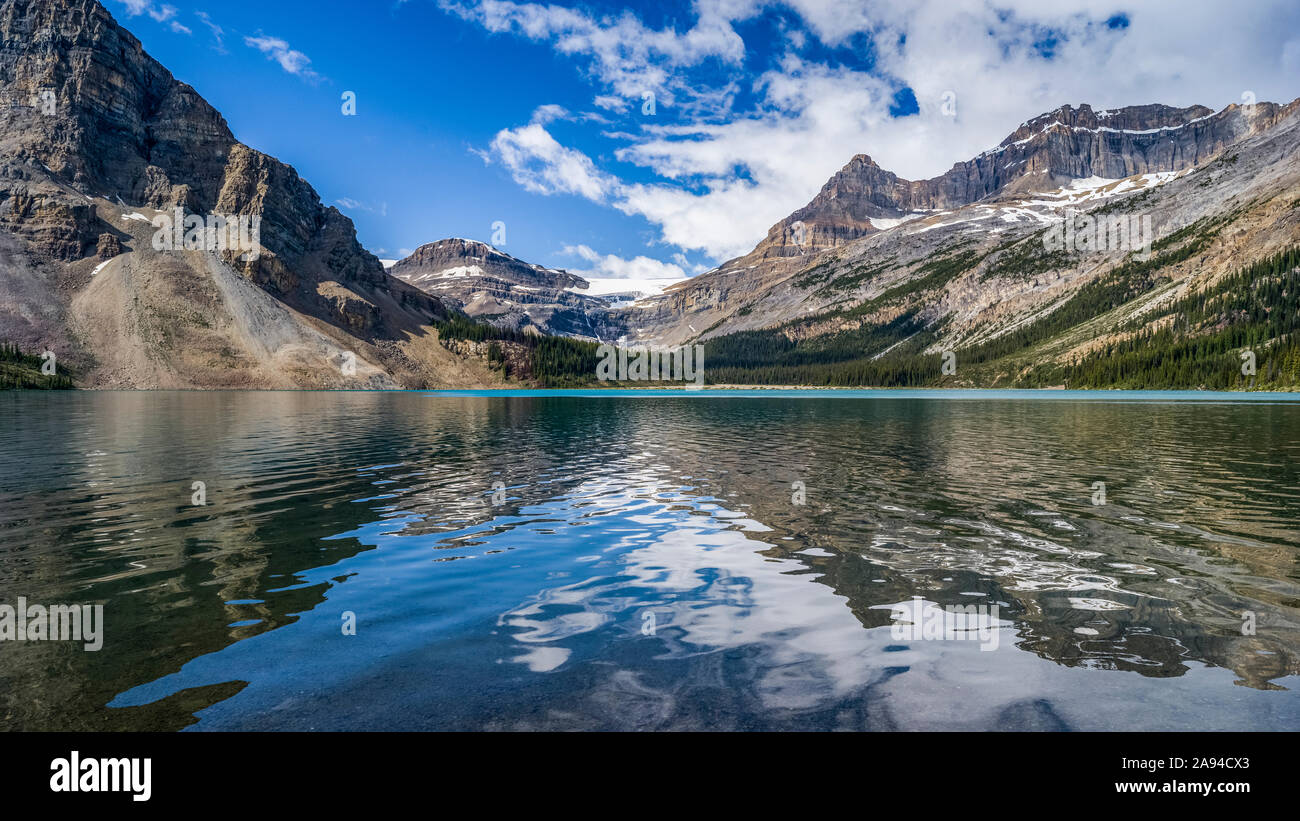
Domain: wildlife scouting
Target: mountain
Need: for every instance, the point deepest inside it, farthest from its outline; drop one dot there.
(494, 287)
(148, 248)
(877, 276)
(99, 147)
(1043, 154)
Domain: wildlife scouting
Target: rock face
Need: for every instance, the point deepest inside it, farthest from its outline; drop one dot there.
(86, 101)
(1042, 154)
(455, 258)
(862, 199)
(493, 286)
(108, 247)
(93, 131)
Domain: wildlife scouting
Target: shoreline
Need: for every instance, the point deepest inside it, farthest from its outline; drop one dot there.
(688, 388)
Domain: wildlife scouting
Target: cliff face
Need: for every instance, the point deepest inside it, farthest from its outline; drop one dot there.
(116, 121)
(470, 258)
(93, 131)
(1042, 154)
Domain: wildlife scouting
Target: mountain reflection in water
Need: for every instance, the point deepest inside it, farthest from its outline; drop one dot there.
(646, 567)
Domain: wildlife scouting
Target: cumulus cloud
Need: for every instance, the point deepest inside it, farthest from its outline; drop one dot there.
(625, 54)
(1001, 63)
(541, 165)
(612, 266)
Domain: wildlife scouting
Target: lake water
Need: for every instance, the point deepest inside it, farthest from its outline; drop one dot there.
(654, 561)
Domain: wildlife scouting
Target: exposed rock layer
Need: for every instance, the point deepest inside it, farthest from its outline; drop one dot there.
(493, 286)
(1042, 155)
(95, 137)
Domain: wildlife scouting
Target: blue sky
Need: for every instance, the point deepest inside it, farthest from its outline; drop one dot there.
(536, 115)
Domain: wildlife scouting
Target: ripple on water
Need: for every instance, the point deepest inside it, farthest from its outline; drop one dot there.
(614, 563)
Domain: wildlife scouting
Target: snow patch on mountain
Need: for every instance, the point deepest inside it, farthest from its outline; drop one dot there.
(885, 223)
(620, 290)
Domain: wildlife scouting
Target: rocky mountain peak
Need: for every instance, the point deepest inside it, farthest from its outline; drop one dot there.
(452, 257)
(859, 161)
(95, 133)
(1070, 142)
(1128, 118)
(484, 282)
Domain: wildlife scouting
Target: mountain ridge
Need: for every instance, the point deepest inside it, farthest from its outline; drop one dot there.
(1049, 153)
(863, 187)
(96, 131)
(983, 283)
(871, 279)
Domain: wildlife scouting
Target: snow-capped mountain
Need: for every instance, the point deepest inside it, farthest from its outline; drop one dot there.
(869, 232)
(493, 286)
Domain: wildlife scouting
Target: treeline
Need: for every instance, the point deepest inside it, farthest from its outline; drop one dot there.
(553, 361)
(1163, 361)
(911, 371)
(1198, 344)
(21, 371)
(561, 362)
(1255, 309)
(844, 359)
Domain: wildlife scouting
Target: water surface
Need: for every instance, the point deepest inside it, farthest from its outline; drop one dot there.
(642, 563)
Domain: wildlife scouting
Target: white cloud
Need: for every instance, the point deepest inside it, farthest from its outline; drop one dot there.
(217, 31)
(349, 204)
(291, 60)
(544, 114)
(543, 166)
(611, 102)
(160, 13)
(1005, 62)
(551, 112)
(785, 166)
(612, 266)
(625, 55)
